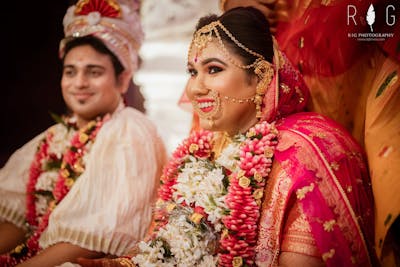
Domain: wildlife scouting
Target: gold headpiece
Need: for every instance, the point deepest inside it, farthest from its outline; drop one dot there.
(262, 68)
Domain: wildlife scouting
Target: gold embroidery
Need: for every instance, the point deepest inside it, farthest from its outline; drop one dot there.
(328, 225)
(285, 88)
(319, 134)
(301, 42)
(349, 189)
(297, 236)
(335, 166)
(328, 255)
(301, 193)
(272, 215)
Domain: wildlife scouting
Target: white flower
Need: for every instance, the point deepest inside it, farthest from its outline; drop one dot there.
(93, 18)
(188, 181)
(60, 140)
(46, 181)
(188, 243)
(211, 196)
(229, 155)
(197, 184)
(208, 261)
(41, 205)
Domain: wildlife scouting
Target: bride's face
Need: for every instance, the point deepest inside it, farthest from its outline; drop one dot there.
(213, 84)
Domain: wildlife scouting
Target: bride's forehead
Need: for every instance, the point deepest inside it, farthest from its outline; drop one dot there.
(211, 50)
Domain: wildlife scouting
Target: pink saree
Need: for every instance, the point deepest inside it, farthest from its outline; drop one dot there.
(319, 180)
(320, 168)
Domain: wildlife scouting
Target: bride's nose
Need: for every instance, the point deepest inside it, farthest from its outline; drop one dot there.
(196, 87)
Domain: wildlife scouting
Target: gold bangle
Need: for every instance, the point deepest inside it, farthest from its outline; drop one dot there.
(222, 5)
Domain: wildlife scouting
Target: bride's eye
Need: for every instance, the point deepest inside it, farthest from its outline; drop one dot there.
(192, 72)
(214, 69)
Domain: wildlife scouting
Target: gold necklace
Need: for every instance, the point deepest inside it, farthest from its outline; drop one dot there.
(220, 142)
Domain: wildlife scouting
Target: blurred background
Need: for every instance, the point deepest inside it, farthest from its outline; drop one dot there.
(31, 69)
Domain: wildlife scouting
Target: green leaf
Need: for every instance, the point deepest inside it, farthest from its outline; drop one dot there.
(57, 118)
(388, 219)
(53, 164)
(392, 78)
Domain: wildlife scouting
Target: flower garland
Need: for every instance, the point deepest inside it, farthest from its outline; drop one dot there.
(209, 207)
(65, 155)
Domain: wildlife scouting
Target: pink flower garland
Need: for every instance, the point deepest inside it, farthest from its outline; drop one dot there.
(35, 170)
(198, 145)
(71, 168)
(245, 191)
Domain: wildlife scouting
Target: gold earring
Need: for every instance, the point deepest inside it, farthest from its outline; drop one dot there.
(265, 72)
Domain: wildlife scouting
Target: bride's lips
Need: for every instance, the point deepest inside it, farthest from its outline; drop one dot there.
(206, 105)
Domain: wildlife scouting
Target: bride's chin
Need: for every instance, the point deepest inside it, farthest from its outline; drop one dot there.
(207, 124)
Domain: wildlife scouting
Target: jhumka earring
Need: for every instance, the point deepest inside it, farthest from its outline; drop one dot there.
(265, 72)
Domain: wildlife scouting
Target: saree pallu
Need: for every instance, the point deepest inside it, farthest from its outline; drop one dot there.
(319, 167)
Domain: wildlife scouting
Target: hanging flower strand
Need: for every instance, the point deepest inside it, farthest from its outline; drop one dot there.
(244, 196)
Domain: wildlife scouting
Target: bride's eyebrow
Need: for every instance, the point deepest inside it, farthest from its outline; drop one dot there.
(213, 59)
